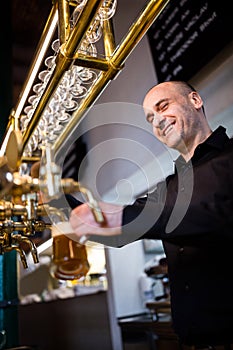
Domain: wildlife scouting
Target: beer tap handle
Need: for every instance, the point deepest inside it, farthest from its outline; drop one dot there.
(49, 174)
(93, 204)
(71, 186)
(33, 250)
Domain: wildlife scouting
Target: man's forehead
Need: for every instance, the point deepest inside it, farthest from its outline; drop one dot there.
(151, 98)
(158, 92)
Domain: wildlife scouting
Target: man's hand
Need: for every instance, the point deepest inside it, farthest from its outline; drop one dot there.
(83, 222)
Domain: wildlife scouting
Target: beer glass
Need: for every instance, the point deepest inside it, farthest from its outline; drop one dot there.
(69, 260)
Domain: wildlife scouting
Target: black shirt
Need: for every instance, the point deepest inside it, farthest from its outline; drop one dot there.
(192, 212)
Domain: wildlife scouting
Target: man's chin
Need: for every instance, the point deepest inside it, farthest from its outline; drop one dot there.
(174, 143)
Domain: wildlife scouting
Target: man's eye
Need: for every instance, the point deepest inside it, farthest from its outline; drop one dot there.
(163, 106)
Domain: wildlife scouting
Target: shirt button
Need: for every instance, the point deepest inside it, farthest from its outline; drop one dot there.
(181, 250)
(182, 189)
(186, 287)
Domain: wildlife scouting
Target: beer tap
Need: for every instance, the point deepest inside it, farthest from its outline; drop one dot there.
(17, 238)
(20, 208)
(21, 254)
(11, 240)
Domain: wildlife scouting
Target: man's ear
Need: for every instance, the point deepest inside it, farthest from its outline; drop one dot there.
(196, 99)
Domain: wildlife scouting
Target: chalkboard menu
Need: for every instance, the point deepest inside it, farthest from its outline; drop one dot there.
(187, 35)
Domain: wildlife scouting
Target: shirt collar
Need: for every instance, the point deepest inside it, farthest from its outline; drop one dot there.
(216, 140)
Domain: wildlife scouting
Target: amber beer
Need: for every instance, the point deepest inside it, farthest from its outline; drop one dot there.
(70, 261)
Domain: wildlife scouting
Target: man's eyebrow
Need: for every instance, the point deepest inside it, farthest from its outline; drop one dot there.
(157, 104)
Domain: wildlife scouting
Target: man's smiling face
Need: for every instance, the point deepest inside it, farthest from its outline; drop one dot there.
(173, 113)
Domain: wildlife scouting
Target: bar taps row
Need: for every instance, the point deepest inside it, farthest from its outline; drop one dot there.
(22, 210)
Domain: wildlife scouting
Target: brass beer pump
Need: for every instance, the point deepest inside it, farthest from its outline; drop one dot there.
(23, 193)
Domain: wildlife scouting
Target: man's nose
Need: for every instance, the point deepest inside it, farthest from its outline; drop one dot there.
(158, 120)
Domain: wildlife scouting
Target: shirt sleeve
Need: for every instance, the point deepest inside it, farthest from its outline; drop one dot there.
(142, 219)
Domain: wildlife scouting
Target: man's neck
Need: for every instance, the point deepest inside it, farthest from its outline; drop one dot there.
(188, 151)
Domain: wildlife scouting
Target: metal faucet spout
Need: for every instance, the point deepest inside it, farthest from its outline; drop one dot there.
(21, 254)
(33, 249)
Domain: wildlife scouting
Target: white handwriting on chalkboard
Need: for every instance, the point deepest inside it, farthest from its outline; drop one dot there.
(159, 45)
(184, 15)
(165, 68)
(162, 56)
(176, 40)
(171, 31)
(204, 25)
(177, 70)
(183, 27)
(184, 47)
(182, 3)
(170, 17)
(157, 34)
(196, 17)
